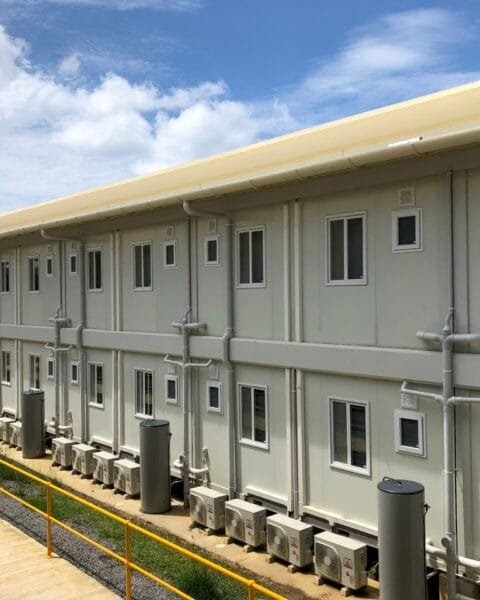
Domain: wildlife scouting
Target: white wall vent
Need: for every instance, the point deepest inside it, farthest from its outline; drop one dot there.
(406, 197)
(409, 401)
(214, 372)
(169, 232)
(341, 559)
(171, 369)
(212, 225)
(246, 522)
(73, 246)
(290, 540)
(207, 508)
(50, 248)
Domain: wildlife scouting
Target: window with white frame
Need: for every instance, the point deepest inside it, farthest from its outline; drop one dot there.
(410, 432)
(95, 384)
(34, 371)
(49, 266)
(50, 368)
(33, 274)
(214, 397)
(142, 266)
(170, 254)
(407, 230)
(346, 249)
(212, 250)
(94, 270)
(6, 367)
(74, 372)
(251, 257)
(5, 276)
(349, 435)
(143, 393)
(171, 389)
(253, 415)
(73, 264)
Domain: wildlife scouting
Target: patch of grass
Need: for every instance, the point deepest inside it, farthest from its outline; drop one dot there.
(181, 571)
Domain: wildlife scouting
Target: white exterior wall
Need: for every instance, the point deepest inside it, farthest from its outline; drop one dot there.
(404, 293)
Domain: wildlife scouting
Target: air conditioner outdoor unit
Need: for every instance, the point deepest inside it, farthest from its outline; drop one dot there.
(341, 559)
(291, 540)
(62, 453)
(83, 459)
(126, 477)
(246, 522)
(103, 467)
(16, 434)
(207, 508)
(5, 428)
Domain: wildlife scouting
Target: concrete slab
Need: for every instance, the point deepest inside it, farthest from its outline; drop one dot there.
(177, 521)
(26, 572)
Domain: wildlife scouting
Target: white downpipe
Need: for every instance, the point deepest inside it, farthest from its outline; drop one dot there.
(228, 335)
(18, 343)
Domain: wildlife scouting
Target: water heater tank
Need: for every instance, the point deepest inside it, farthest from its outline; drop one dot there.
(154, 466)
(33, 424)
(401, 539)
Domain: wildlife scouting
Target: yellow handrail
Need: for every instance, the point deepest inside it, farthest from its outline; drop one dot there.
(251, 585)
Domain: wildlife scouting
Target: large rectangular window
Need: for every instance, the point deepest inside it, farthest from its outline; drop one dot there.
(95, 384)
(349, 435)
(251, 257)
(94, 270)
(253, 415)
(346, 253)
(142, 266)
(33, 274)
(143, 393)
(34, 372)
(6, 367)
(5, 276)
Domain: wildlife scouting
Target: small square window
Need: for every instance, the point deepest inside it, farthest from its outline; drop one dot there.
(212, 250)
(171, 389)
(410, 432)
(50, 368)
(214, 397)
(74, 372)
(170, 254)
(49, 266)
(407, 230)
(73, 264)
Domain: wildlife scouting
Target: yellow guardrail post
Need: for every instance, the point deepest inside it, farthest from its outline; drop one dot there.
(49, 520)
(251, 590)
(128, 556)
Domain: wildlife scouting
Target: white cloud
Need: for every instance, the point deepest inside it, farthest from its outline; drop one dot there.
(60, 134)
(69, 67)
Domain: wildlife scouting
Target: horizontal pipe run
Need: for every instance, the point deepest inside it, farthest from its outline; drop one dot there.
(429, 337)
(430, 395)
(460, 560)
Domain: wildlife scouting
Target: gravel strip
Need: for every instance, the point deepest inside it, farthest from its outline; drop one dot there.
(85, 557)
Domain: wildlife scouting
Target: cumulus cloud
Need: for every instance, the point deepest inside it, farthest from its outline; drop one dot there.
(62, 133)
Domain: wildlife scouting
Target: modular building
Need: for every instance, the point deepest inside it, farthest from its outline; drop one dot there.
(297, 273)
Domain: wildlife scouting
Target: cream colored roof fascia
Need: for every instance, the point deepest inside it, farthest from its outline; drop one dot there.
(446, 119)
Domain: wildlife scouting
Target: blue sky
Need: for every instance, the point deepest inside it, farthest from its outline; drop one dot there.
(93, 91)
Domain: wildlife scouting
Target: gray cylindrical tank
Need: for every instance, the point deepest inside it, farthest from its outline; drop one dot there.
(33, 424)
(154, 466)
(401, 539)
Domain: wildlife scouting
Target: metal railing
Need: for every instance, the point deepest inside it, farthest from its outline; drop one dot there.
(251, 586)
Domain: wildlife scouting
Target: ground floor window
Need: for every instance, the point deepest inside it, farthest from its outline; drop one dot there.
(253, 415)
(171, 389)
(214, 397)
(6, 367)
(95, 384)
(410, 432)
(349, 435)
(34, 372)
(144, 393)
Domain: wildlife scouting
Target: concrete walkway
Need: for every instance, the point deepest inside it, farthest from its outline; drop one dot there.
(26, 572)
(177, 522)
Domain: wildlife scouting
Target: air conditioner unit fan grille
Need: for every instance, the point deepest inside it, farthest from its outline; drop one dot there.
(328, 561)
(277, 541)
(234, 524)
